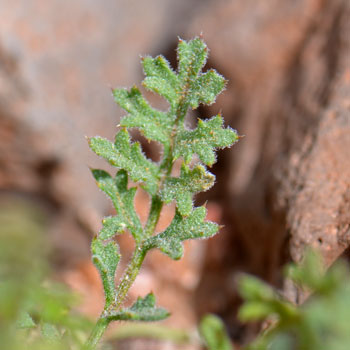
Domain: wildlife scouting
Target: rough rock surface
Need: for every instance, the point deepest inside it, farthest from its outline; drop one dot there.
(286, 183)
(283, 187)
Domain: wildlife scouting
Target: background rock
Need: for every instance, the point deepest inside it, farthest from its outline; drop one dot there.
(283, 187)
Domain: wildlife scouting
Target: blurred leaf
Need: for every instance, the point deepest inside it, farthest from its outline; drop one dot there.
(214, 333)
(50, 332)
(144, 309)
(321, 323)
(25, 321)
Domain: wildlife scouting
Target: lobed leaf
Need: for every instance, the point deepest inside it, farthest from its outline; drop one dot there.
(183, 188)
(123, 201)
(204, 140)
(197, 87)
(205, 88)
(111, 226)
(192, 57)
(129, 157)
(105, 257)
(181, 229)
(144, 309)
(161, 79)
(154, 125)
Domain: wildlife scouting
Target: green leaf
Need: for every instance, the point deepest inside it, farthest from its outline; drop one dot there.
(204, 140)
(144, 309)
(205, 88)
(50, 332)
(106, 256)
(192, 57)
(25, 321)
(255, 311)
(214, 334)
(183, 188)
(111, 226)
(123, 201)
(252, 288)
(129, 157)
(181, 229)
(197, 87)
(310, 273)
(154, 125)
(262, 301)
(161, 79)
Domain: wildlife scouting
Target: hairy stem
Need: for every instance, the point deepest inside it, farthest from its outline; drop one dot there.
(97, 333)
(129, 277)
(153, 217)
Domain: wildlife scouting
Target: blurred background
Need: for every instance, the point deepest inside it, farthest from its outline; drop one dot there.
(284, 186)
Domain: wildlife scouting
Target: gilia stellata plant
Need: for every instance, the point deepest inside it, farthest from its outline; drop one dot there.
(187, 88)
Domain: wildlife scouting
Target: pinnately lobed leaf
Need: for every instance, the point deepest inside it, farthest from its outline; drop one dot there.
(161, 79)
(181, 229)
(204, 140)
(123, 201)
(154, 125)
(124, 155)
(183, 188)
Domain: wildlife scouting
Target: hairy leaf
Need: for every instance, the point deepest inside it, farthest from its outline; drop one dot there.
(129, 157)
(144, 309)
(183, 188)
(181, 229)
(123, 201)
(161, 79)
(106, 256)
(155, 125)
(198, 87)
(205, 88)
(204, 140)
(192, 57)
(111, 226)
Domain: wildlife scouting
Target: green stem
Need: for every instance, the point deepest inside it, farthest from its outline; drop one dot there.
(129, 277)
(153, 217)
(97, 333)
(123, 288)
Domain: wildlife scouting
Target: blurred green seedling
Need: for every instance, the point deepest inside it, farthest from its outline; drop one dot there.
(320, 323)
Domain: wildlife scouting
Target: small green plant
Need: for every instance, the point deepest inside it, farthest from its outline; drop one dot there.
(187, 88)
(321, 323)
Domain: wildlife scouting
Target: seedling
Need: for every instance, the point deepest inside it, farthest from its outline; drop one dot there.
(187, 88)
